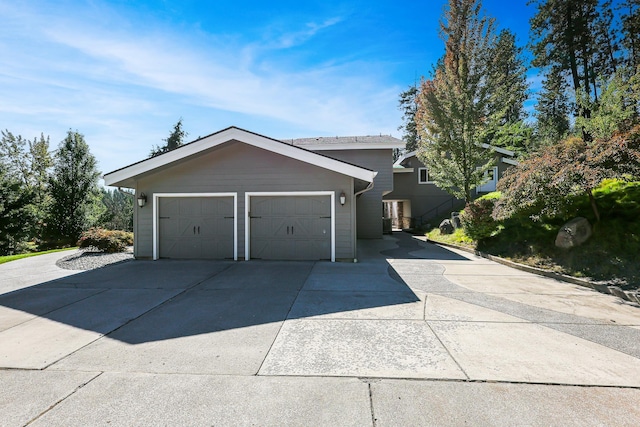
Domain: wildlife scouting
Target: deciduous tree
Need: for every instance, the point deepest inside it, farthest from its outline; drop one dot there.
(74, 189)
(453, 107)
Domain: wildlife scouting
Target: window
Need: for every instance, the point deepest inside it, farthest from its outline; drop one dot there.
(423, 176)
(490, 185)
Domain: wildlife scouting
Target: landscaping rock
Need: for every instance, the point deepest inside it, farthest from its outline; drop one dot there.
(573, 233)
(616, 291)
(455, 220)
(446, 227)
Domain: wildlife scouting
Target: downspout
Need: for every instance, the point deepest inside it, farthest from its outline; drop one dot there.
(369, 187)
(355, 195)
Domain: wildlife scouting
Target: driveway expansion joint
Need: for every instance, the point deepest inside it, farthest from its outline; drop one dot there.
(63, 399)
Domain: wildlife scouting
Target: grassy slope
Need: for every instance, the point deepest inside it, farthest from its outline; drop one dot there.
(611, 254)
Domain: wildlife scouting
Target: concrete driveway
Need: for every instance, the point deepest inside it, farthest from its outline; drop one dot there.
(413, 334)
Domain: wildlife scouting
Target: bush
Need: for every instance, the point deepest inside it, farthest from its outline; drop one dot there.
(106, 240)
(477, 220)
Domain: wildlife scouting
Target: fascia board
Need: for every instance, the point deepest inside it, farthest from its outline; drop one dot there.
(405, 156)
(509, 161)
(499, 150)
(244, 137)
(351, 146)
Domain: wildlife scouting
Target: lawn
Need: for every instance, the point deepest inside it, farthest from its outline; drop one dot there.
(9, 258)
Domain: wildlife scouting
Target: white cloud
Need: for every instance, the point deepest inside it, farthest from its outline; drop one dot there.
(118, 80)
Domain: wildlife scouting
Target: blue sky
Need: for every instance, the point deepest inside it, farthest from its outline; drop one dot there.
(123, 72)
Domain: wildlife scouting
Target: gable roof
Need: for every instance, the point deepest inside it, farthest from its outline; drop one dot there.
(369, 142)
(125, 177)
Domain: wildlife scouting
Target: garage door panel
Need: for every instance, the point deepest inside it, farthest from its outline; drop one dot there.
(290, 227)
(196, 227)
(190, 206)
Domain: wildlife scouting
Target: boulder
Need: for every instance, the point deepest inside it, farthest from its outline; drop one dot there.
(573, 233)
(455, 220)
(446, 227)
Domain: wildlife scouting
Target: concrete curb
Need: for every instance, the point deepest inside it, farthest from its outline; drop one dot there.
(630, 296)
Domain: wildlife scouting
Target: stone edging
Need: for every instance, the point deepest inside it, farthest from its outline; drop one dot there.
(631, 296)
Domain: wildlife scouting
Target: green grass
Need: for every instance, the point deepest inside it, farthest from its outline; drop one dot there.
(611, 254)
(9, 258)
(457, 238)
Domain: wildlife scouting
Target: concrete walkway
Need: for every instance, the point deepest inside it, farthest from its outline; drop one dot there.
(413, 334)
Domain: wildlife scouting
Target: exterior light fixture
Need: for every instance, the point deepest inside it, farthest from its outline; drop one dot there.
(343, 198)
(142, 199)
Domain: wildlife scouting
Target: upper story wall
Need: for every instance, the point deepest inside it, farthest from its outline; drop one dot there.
(369, 205)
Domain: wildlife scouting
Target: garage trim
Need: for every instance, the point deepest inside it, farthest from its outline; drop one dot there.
(156, 232)
(247, 223)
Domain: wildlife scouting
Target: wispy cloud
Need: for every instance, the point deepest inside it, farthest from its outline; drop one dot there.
(296, 38)
(116, 77)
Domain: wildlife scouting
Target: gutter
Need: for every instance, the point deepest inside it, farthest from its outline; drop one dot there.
(369, 187)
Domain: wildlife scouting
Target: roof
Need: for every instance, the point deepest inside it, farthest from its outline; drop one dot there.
(126, 176)
(500, 150)
(369, 142)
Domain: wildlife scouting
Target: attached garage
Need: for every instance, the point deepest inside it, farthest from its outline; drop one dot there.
(236, 193)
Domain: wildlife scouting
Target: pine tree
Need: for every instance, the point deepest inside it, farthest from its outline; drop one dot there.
(175, 140)
(564, 43)
(630, 16)
(508, 74)
(552, 110)
(409, 106)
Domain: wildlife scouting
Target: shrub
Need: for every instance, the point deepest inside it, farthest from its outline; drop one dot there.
(106, 240)
(477, 220)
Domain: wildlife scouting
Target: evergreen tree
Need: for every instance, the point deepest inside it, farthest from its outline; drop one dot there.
(564, 44)
(15, 216)
(175, 140)
(630, 16)
(74, 189)
(409, 106)
(453, 107)
(118, 214)
(552, 111)
(508, 74)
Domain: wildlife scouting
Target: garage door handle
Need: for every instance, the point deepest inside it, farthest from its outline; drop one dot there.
(292, 229)
(287, 229)
(198, 229)
(194, 229)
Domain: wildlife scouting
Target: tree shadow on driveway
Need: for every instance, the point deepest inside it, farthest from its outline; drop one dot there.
(146, 301)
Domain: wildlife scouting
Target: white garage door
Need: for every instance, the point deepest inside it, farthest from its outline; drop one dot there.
(290, 227)
(196, 227)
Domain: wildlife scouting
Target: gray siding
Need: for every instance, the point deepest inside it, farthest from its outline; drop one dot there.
(238, 167)
(425, 198)
(369, 204)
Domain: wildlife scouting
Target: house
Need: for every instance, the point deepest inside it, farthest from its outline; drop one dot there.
(236, 194)
(416, 200)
